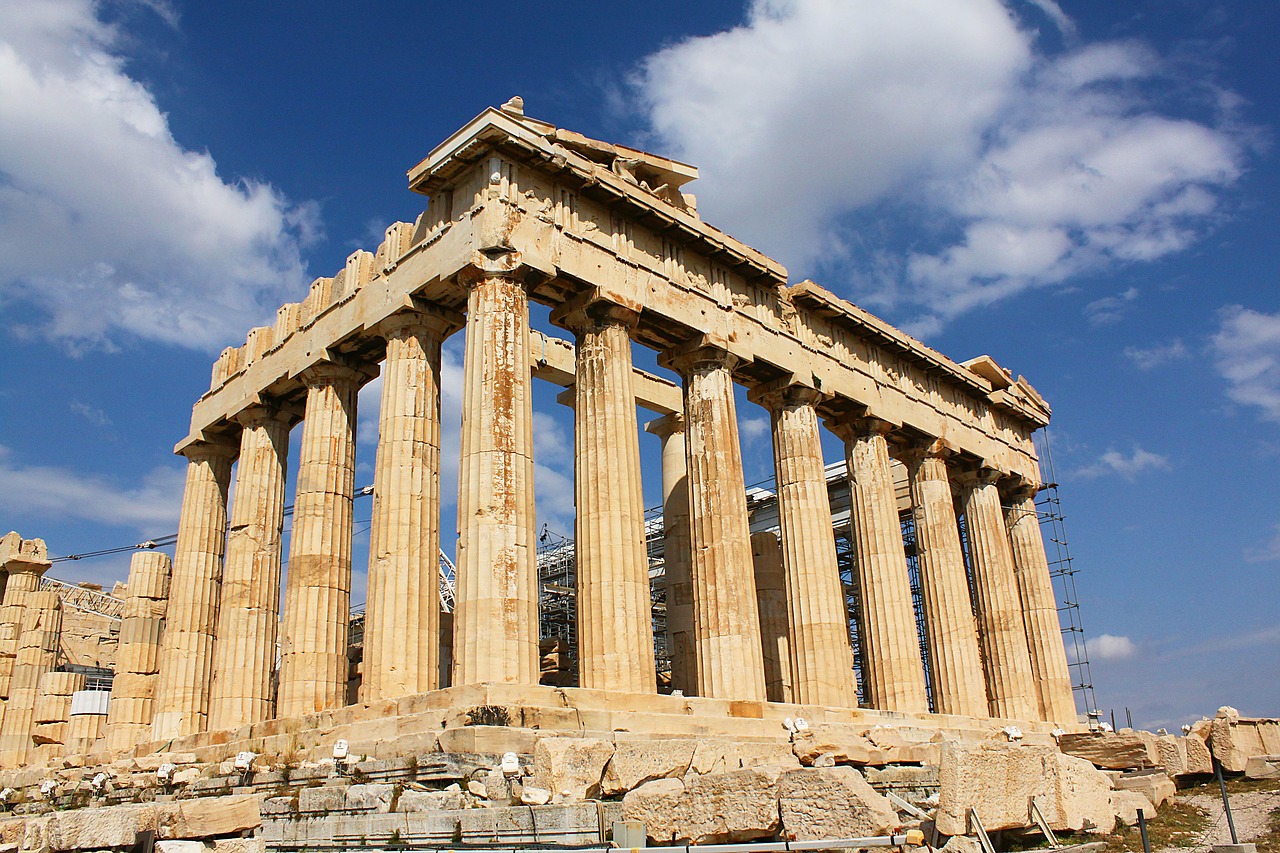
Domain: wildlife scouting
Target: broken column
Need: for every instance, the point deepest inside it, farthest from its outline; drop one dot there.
(818, 622)
(402, 616)
(313, 661)
(771, 602)
(138, 653)
(955, 664)
(24, 562)
(615, 624)
(726, 623)
(495, 618)
(244, 658)
(893, 671)
(53, 709)
(186, 654)
(676, 554)
(1011, 693)
(38, 645)
(88, 721)
(1039, 609)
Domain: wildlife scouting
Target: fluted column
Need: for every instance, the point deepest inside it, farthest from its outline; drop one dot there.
(1049, 668)
(615, 622)
(1011, 693)
(676, 551)
(893, 671)
(186, 657)
(771, 603)
(726, 622)
(24, 562)
(402, 616)
(249, 615)
(138, 654)
(313, 662)
(37, 654)
(818, 622)
(955, 665)
(495, 619)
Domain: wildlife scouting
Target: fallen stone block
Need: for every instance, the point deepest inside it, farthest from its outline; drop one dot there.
(1158, 788)
(376, 798)
(720, 808)
(427, 801)
(1108, 750)
(1199, 761)
(844, 747)
(1262, 767)
(204, 818)
(1173, 754)
(570, 768)
(322, 799)
(1125, 805)
(834, 802)
(94, 829)
(634, 763)
(239, 845)
(176, 846)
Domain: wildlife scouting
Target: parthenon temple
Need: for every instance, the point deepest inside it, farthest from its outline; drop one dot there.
(224, 644)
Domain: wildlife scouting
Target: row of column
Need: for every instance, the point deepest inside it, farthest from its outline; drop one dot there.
(217, 656)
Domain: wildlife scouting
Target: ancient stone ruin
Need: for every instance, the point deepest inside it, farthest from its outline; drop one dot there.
(444, 731)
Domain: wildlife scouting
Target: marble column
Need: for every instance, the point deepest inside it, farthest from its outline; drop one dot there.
(676, 551)
(402, 616)
(615, 621)
(53, 710)
(495, 618)
(1049, 668)
(37, 654)
(138, 653)
(955, 664)
(771, 603)
(186, 655)
(313, 662)
(893, 672)
(725, 619)
(24, 562)
(1011, 693)
(818, 620)
(244, 660)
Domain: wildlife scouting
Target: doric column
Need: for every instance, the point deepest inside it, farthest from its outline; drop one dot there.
(53, 710)
(495, 620)
(1039, 609)
(893, 672)
(402, 616)
(771, 603)
(725, 620)
(955, 664)
(313, 662)
(37, 654)
(138, 654)
(819, 624)
(24, 562)
(1011, 692)
(676, 553)
(186, 656)
(249, 615)
(615, 623)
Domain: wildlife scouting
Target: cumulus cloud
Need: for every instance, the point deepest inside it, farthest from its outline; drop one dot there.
(1111, 647)
(1149, 358)
(1246, 352)
(1125, 465)
(113, 229)
(1009, 167)
(150, 506)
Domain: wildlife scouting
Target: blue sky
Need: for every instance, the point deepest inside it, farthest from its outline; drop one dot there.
(1085, 191)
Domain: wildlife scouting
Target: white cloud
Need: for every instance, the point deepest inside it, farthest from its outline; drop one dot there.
(43, 492)
(1109, 309)
(753, 429)
(92, 414)
(1111, 647)
(1014, 168)
(112, 228)
(1150, 358)
(1127, 466)
(1246, 352)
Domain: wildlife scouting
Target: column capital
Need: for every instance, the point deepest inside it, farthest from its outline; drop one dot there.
(23, 555)
(854, 426)
(593, 313)
(420, 319)
(697, 354)
(494, 264)
(262, 413)
(925, 448)
(666, 426)
(328, 373)
(979, 476)
(203, 451)
(781, 393)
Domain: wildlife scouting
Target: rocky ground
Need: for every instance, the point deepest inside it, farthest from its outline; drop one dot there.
(1195, 820)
